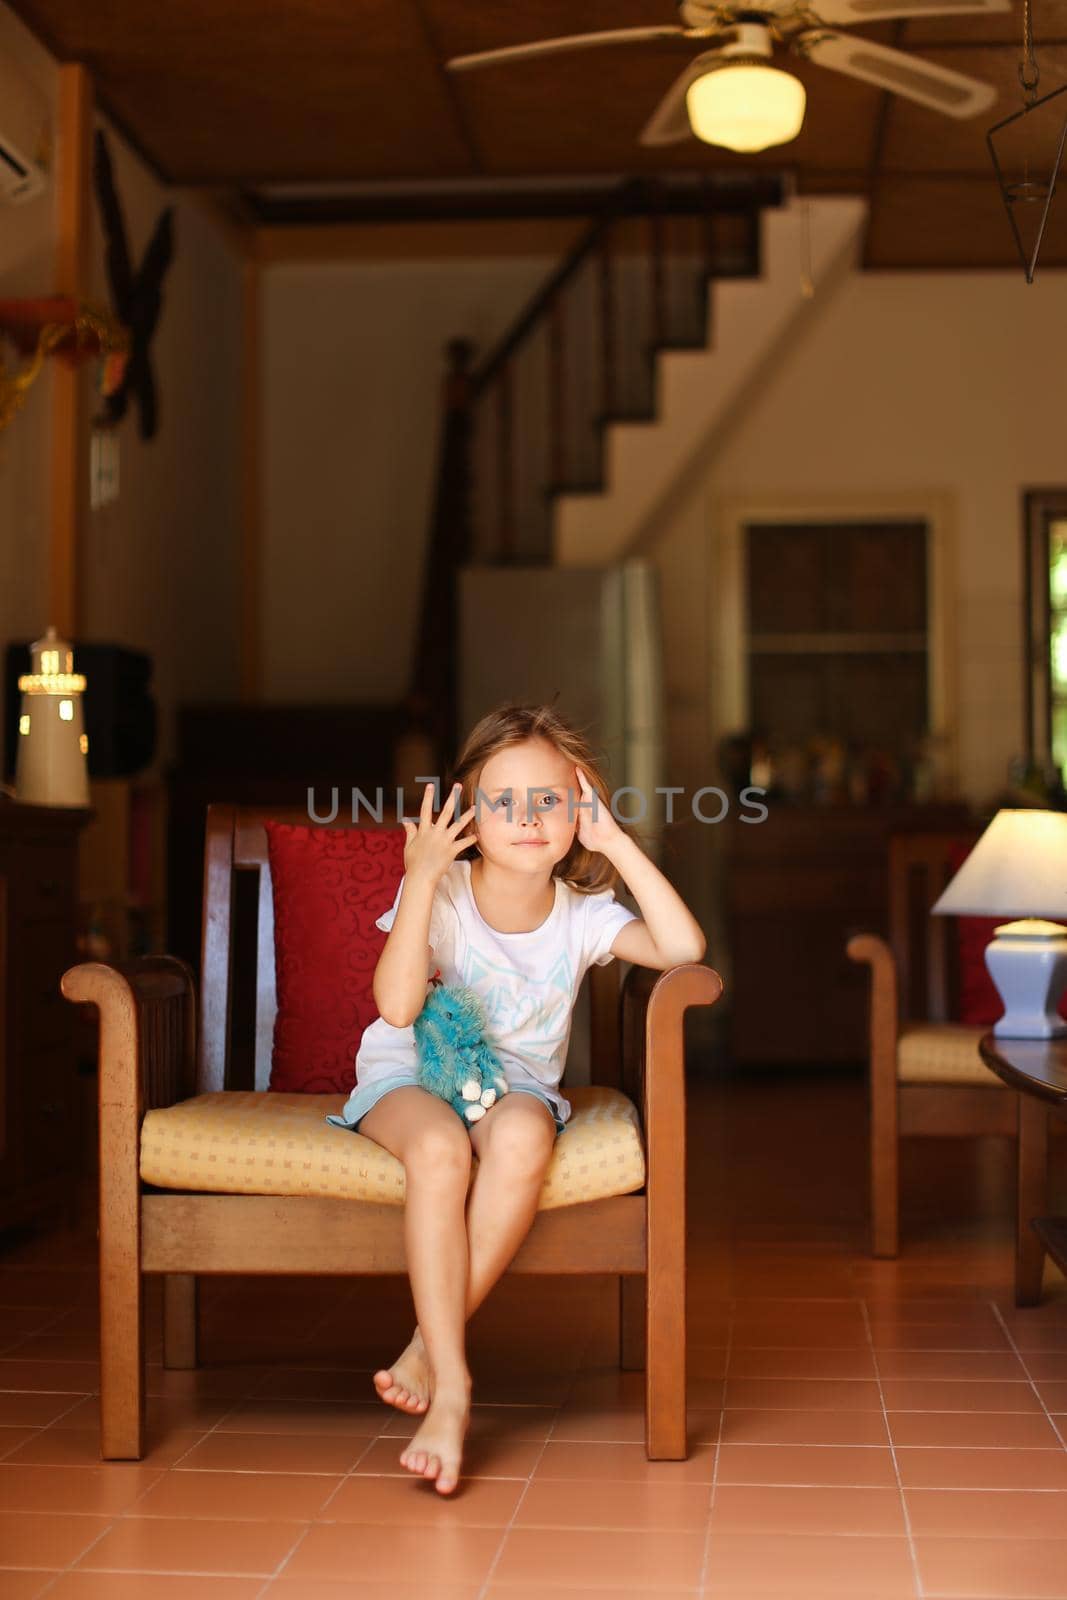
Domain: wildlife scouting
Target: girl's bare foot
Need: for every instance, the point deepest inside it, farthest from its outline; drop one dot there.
(408, 1383)
(437, 1448)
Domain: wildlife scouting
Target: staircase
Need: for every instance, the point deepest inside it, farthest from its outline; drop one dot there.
(700, 388)
(583, 359)
(532, 427)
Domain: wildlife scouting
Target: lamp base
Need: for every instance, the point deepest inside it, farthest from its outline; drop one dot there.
(1027, 960)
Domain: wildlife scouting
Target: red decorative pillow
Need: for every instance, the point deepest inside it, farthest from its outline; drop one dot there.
(329, 885)
(980, 1004)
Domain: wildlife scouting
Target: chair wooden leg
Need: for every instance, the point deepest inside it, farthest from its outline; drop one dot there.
(1031, 1200)
(632, 1343)
(885, 1151)
(885, 1197)
(180, 1321)
(121, 1340)
(883, 1094)
(665, 1378)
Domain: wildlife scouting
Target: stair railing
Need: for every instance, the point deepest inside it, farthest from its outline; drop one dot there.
(527, 422)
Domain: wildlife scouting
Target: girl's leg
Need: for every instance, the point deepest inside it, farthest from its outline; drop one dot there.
(427, 1136)
(514, 1144)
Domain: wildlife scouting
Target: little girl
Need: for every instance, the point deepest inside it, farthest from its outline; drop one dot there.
(519, 922)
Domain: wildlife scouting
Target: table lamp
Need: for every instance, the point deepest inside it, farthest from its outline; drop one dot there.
(51, 767)
(1018, 870)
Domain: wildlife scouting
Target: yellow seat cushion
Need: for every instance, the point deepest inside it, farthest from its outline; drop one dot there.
(254, 1142)
(943, 1052)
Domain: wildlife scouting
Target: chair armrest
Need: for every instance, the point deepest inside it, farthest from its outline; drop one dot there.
(884, 1014)
(656, 1062)
(653, 1010)
(147, 1050)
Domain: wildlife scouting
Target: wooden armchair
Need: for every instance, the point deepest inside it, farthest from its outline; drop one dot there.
(156, 1061)
(926, 1076)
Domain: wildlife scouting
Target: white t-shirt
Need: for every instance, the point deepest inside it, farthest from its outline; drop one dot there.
(527, 982)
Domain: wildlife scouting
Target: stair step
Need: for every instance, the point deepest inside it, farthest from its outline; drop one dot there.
(657, 348)
(605, 419)
(552, 489)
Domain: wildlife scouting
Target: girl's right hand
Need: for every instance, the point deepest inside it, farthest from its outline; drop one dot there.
(431, 847)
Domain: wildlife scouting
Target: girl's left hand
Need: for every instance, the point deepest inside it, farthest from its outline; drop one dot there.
(597, 830)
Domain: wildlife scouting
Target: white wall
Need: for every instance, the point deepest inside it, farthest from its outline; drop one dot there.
(160, 566)
(353, 358)
(941, 387)
(27, 264)
(906, 390)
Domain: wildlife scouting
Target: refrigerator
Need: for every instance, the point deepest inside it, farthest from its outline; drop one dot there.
(588, 641)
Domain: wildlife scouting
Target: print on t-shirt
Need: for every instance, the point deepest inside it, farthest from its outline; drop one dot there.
(539, 1009)
(527, 981)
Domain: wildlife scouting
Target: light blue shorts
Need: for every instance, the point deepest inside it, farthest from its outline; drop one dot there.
(361, 1100)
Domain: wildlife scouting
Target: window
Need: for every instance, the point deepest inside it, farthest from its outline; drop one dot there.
(837, 637)
(1045, 581)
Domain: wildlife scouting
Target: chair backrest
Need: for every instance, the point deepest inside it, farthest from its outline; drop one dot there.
(238, 987)
(924, 947)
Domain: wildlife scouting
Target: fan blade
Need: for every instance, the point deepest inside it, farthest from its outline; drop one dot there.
(670, 121)
(845, 11)
(915, 79)
(551, 47)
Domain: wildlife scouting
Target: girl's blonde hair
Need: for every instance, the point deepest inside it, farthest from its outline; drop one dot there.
(587, 870)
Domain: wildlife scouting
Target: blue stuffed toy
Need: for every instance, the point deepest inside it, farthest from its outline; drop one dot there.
(455, 1060)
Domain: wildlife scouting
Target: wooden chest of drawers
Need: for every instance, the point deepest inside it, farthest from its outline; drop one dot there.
(38, 1085)
(797, 886)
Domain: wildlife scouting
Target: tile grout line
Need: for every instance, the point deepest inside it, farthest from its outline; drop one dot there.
(1021, 1357)
(917, 1576)
(705, 1559)
(259, 1392)
(508, 1527)
(124, 1514)
(11, 1351)
(62, 1572)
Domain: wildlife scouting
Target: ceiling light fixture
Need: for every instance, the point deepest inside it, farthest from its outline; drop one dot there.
(742, 103)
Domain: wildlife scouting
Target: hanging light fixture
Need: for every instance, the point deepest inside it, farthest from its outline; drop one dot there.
(742, 103)
(1027, 195)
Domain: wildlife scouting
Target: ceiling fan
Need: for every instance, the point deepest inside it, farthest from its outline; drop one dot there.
(730, 95)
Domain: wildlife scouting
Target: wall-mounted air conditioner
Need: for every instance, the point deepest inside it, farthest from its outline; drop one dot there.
(25, 137)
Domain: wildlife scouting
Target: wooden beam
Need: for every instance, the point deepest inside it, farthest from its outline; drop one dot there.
(432, 241)
(70, 435)
(251, 497)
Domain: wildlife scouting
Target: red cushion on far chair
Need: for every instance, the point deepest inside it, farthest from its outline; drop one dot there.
(329, 885)
(980, 1004)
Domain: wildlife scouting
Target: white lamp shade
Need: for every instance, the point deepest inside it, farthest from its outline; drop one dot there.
(746, 106)
(1018, 868)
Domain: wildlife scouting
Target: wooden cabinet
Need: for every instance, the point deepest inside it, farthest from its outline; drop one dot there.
(38, 1084)
(797, 885)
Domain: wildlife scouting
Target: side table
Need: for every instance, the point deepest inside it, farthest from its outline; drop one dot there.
(1037, 1068)
(39, 1143)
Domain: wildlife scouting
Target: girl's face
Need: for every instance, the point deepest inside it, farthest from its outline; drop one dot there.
(538, 829)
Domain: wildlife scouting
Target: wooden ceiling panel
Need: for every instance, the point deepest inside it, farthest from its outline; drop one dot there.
(1002, 27)
(955, 223)
(918, 140)
(212, 125)
(215, 91)
(459, 27)
(229, 92)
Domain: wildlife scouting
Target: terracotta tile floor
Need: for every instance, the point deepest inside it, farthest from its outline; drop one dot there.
(875, 1429)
